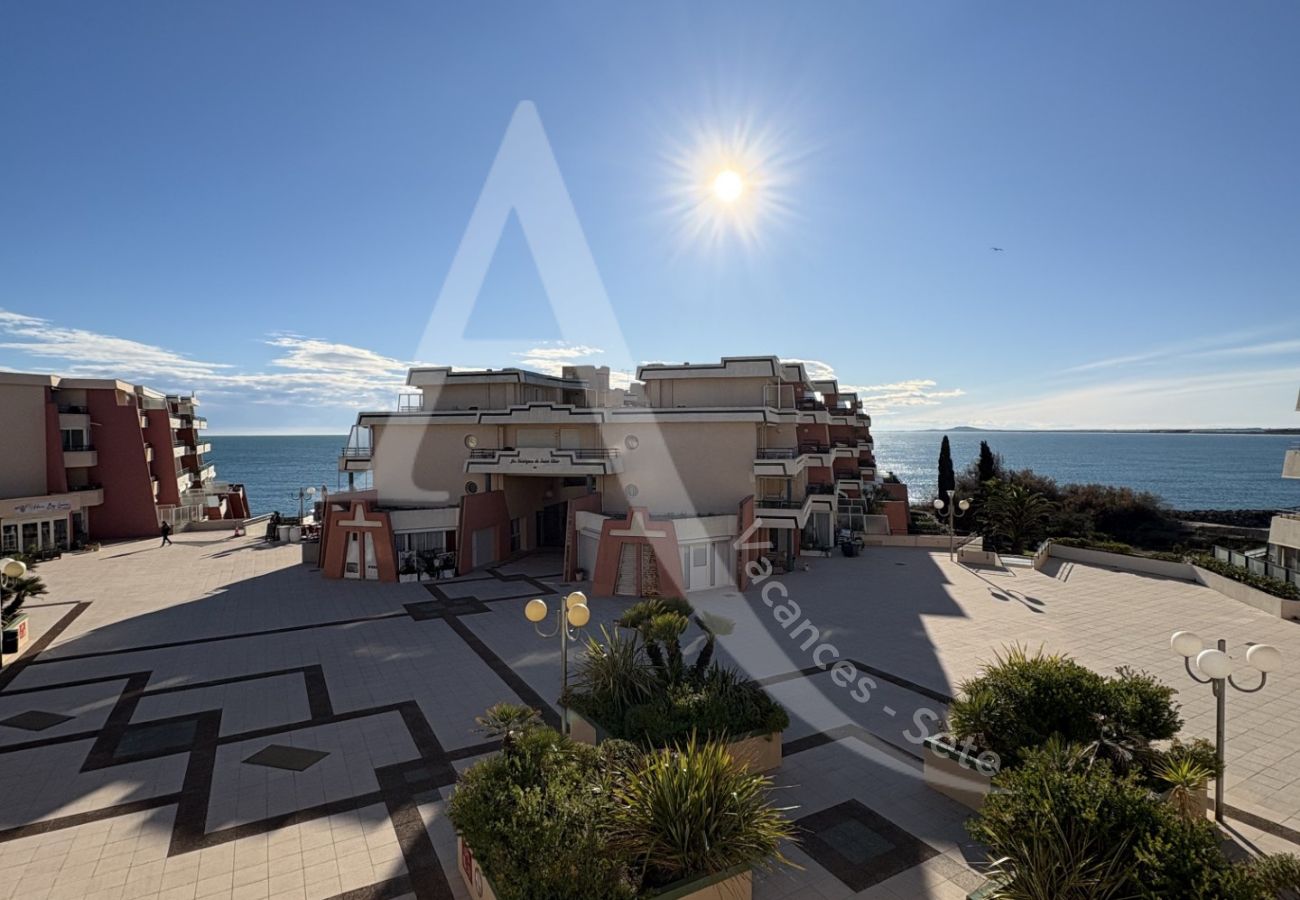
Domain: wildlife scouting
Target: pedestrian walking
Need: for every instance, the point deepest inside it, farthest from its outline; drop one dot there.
(166, 531)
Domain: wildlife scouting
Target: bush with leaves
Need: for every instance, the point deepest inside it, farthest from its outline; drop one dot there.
(537, 818)
(549, 818)
(1064, 827)
(692, 810)
(637, 684)
(1023, 699)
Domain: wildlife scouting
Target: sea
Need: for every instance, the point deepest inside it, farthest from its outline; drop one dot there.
(1189, 471)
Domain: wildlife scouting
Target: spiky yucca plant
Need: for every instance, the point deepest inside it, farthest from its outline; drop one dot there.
(1186, 778)
(693, 810)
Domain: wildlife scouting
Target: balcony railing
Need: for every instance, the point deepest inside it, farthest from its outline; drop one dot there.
(362, 452)
(807, 405)
(410, 402)
(1257, 564)
(777, 453)
(73, 408)
(848, 475)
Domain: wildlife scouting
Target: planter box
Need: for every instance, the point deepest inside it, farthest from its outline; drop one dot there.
(758, 752)
(955, 774)
(974, 556)
(17, 634)
(406, 578)
(733, 884)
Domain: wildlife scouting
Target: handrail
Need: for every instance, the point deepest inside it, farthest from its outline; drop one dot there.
(356, 451)
(777, 453)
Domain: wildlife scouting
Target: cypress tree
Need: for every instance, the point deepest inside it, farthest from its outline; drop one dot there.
(988, 464)
(947, 478)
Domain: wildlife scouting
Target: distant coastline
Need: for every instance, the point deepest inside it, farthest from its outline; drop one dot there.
(970, 429)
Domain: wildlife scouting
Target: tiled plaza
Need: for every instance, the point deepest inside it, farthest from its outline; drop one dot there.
(214, 719)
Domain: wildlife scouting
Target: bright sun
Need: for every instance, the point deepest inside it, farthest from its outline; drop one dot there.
(728, 186)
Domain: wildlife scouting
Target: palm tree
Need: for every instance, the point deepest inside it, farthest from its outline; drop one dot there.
(16, 593)
(1016, 515)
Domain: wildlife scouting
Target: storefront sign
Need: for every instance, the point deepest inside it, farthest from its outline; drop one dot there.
(43, 506)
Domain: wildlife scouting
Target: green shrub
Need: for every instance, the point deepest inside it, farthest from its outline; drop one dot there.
(1274, 586)
(693, 810)
(1022, 700)
(637, 685)
(537, 816)
(1059, 820)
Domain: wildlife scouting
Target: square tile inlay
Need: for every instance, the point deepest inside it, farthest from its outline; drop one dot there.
(150, 739)
(859, 846)
(35, 720)
(278, 756)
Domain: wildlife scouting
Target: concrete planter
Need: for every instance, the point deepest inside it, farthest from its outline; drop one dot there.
(955, 774)
(733, 884)
(17, 634)
(758, 752)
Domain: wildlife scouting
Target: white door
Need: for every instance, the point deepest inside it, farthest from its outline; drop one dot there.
(723, 559)
(587, 545)
(698, 572)
(484, 547)
(352, 564)
(372, 563)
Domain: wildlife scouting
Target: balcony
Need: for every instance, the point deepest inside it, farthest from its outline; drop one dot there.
(198, 423)
(144, 421)
(545, 461)
(206, 471)
(153, 482)
(783, 513)
(195, 449)
(80, 457)
(1291, 465)
(88, 494)
(148, 452)
(73, 421)
(355, 459)
(179, 450)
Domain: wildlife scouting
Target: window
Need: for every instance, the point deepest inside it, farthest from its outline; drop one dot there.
(9, 539)
(410, 544)
(74, 438)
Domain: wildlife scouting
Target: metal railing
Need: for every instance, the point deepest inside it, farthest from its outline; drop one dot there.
(410, 402)
(777, 453)
(1257, 565)
(356, 452)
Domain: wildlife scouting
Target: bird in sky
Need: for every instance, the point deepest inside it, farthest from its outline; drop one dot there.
(997, 249)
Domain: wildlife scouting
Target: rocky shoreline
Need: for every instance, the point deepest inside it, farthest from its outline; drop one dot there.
(1240, 518)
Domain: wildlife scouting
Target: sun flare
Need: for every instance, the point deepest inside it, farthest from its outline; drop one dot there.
(728, 186)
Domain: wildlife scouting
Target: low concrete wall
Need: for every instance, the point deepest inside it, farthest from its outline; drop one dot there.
(1138, 564)
(1244, 593)
(927, 541)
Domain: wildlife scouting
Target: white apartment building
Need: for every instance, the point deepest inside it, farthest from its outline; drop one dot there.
(644, 491)
(1284, 531)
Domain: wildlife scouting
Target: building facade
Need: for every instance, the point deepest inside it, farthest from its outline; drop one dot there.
(667, 487)
(86, 459)
(1284, 531)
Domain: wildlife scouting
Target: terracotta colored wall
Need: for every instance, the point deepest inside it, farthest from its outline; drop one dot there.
(330, 536)
(896, 512)
(236, 502)
(477, 511)
(668, 557)
(56, 474)
(128, 510)
(586, 503)
(896, 491)
(159, 433)
(334, 546)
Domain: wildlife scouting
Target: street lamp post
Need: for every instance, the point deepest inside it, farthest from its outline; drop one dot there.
(953, 515)
(1216, 666)
(569, 619)
(303, 494)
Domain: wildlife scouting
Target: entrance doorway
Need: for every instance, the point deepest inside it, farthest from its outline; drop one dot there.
(550, 522)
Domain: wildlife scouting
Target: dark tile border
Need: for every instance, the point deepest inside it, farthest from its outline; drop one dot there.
(908, 851)
(505, 673)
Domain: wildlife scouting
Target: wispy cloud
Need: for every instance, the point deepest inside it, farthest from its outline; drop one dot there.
(878, 398)
(550, 359)
(304, 370)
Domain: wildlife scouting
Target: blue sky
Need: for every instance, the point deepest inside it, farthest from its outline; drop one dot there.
(263, 202)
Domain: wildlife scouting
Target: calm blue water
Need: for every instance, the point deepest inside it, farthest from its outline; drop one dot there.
(273, 468)
(1190, 471)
